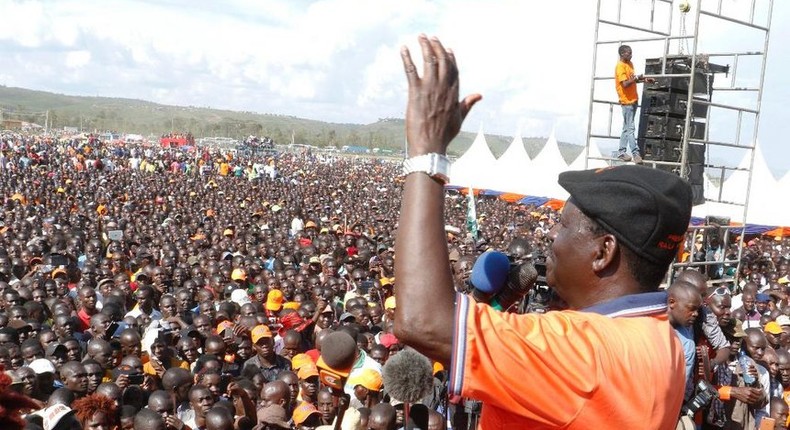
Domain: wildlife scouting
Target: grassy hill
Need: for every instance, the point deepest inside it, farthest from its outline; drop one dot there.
(142, 117)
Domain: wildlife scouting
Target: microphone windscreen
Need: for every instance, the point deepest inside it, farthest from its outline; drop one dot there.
(520, 280)
(490, 272)
(408, 376)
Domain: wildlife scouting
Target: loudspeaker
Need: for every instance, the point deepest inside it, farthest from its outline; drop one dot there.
(675, 65)
(695, 157)
(670, 102)
(696, 154)
(667, 127)
(660, 150)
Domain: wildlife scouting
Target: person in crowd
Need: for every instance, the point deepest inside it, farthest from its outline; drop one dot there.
(95, 412)
(683, 306)
(266, 360)
(625, 81)
(706, 328)
(600, 262)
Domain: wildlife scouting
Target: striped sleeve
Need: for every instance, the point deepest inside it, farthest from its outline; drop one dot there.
(457, 364)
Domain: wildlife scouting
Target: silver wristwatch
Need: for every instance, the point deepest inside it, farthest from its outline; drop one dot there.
(435, 165)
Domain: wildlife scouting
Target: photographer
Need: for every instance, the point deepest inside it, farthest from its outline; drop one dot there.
(618, 233)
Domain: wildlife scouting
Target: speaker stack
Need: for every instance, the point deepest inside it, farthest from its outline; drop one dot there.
(662, 117)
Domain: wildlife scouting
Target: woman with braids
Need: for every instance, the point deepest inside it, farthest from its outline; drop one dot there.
(12, 404)
(95, 412)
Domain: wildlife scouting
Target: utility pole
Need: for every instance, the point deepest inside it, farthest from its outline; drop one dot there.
(46, 123)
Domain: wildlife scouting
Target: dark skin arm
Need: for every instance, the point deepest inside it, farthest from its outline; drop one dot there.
(425, 312)
(634, 79)
(722, 355)
(241, 401)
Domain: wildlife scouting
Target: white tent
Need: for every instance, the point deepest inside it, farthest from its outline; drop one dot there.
(514, 172)
(578, 163)
(475, 166)
(781, 203)
(763, 193)
(766, 206)
(511, 170)
(546, 166)
(734, 188)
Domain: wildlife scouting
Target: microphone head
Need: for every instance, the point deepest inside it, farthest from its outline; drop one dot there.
(490, 272)
(525, 276)
(408, 376)
(520, 280)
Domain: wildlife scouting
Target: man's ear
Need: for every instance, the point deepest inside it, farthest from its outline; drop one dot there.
(608, 248)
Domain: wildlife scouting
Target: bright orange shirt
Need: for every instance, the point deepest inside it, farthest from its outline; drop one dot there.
(623, 368)
(148, 368)
(623, 72)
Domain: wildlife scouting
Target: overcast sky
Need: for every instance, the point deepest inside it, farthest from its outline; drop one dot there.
(337, 60)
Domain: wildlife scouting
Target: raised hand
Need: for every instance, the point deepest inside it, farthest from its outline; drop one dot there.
(434, 114)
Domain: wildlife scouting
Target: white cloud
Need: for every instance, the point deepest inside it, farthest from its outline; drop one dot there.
(77, 59)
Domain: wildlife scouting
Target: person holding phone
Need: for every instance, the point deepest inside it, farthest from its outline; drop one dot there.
(161, 358)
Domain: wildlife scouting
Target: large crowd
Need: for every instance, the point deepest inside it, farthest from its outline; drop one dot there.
(155, 288)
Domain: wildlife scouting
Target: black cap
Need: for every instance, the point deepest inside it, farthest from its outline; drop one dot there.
(648, 210)
(123, 369)
(190, 332)
(55, 347)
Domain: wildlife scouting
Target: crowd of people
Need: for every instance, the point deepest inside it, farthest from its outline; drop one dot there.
(154, 288)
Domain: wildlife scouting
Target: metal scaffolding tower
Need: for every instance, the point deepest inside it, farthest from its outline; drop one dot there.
(728, 130)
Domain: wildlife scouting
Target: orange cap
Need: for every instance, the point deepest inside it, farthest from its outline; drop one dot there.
(367, 378)
(274, 300)
(259, 332)
(59, 271)
(238, 275)
(303, 412)
(306, 371)
(223, 325)
(292, 305)
(300, 360)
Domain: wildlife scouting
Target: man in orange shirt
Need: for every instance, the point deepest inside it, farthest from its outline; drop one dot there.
(612, 360)
(625, 82)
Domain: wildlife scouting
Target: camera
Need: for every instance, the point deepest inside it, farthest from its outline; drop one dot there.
(58, 260)
(136, 379)
(365, 286)
(704, 392)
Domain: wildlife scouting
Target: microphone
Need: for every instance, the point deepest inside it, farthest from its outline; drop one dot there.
(489, 275)
(408, 376)
(520, 280)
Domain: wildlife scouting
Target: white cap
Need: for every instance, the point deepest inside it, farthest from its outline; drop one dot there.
(240, 297)
(783, 320)
(42, 365)
(53, 414)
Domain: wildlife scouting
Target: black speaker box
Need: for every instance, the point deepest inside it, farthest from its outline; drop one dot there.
(670, 102)
(666, 127)
(696, 154)
(676, 65)
(660, 150)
